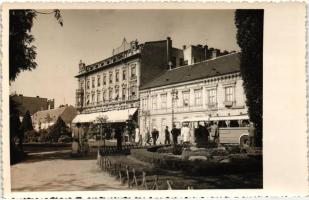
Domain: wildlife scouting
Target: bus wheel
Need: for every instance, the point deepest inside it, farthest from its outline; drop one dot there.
(243, 140)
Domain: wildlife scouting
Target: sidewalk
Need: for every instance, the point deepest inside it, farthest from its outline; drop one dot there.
(62, 174)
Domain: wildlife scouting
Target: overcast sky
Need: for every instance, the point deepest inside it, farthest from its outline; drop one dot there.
(91, 35)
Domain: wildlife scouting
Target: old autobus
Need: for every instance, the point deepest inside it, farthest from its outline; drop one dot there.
(232, 129)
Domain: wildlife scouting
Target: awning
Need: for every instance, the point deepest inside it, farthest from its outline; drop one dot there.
(235, 117)
(110, 116)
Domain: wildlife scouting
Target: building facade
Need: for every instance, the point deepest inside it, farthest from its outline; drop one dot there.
(211, 88)
(113, 83)
(46, 118)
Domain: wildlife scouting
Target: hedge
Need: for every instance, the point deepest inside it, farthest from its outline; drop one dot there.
(237, 164)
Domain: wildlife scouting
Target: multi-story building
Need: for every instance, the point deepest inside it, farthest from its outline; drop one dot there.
(46, 118)
(110, 87)
(32, 104)
(211, 88)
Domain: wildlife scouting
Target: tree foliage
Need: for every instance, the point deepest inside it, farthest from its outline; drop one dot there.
(58, 129)
(26, 124)
(22, 52)
(249, 25)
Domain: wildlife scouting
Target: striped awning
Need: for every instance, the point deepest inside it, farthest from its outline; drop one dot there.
(110, 116)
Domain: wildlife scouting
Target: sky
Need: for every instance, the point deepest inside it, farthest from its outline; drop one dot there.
(91, 35)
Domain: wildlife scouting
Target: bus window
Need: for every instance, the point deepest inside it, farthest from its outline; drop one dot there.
(245, 123)
(234, 123)
(222, 124)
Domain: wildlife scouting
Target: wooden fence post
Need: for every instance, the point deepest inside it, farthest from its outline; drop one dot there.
(144, 182)
(155, 184)
(169, 186)
(128, 175)
(134, 177)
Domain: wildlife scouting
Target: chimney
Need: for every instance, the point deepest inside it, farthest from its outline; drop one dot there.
(37, 96)
(184, 47)
(169, 50)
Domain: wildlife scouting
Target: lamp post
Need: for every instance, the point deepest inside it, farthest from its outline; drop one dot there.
(174, 97)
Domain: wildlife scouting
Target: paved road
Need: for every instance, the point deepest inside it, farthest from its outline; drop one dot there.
(54, 170)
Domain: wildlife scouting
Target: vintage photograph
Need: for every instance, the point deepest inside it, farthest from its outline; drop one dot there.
(135, 99)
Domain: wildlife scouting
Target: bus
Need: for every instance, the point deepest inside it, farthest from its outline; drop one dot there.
(232, 129)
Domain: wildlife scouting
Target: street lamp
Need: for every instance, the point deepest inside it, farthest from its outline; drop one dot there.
(174, 97)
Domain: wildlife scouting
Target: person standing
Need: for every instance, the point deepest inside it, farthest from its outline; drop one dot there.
(137, 136)
(154, 135)
(215, 133)
(147, 136)
(185, 134)
(251, 131)
(167, 136)
(175, 134)
(118, 136)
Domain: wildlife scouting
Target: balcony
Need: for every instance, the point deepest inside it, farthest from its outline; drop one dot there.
(229, 104)
(79, 91)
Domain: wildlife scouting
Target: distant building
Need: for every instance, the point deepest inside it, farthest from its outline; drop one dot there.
(211, 88)
(33, 104)
(46, 118)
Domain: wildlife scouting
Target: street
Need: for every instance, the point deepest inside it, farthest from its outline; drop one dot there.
(53, 169)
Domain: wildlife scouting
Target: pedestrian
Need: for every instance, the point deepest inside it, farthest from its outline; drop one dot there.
(215, 133)
(147, 136)
(167, 136)
(201, 136)
(251, 131)
(137, 136)
(154, 135)
(175, 133)
(185, 134)
(118, 136)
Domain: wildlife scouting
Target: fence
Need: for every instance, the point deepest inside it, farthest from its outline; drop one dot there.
(134, 177)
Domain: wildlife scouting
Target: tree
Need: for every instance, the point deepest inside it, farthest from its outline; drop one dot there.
(21, 51)
(249, 24)
(58, 129)
(26, 125)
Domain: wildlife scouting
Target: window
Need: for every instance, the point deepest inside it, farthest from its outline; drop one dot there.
(124, 73)
(198, 97)
(133, 90)
(104, 79)
(229, 93)
(98, 97)
(185, 96)
(111, 77)
(88, 84)
(117, 76)
(124, 91)
(110, 94)
(212, 97)
(99, 81)
(163, 100)
(154, 102)
(133, 70)
(104, 95)
(92, 98)
(81, 83)
(117, 93)
(93, 82)
(87, 99)
(144, 104)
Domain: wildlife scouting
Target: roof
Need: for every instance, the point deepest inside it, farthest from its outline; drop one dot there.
(41, 116)
(214, 67)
